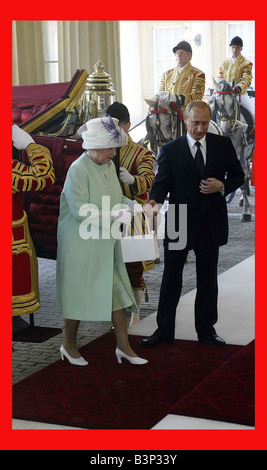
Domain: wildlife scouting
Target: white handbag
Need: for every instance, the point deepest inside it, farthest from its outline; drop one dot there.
(140, 247)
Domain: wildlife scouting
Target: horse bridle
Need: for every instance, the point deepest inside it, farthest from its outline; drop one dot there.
(224, 116)
(159, 136)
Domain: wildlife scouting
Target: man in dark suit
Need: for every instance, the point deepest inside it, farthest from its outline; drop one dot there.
(199, 178)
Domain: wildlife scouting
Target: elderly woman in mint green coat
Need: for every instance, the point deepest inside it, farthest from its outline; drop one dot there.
(92, 281)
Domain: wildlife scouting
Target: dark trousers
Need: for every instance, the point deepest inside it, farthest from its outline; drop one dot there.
(206, 300)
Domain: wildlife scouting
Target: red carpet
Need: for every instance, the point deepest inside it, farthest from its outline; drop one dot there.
(233, 401)
(106, 395)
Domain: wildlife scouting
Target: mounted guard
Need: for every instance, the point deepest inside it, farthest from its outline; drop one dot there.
(185, 80)
(239, 69)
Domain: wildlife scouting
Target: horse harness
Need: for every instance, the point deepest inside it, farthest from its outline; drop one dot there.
(222, 113)
(175, 113)
(224, 116)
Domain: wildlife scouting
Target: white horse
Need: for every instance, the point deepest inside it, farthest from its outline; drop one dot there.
(233, 121)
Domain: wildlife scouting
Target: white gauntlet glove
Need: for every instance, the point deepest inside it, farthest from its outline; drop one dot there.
(125, 176)
(20, 138)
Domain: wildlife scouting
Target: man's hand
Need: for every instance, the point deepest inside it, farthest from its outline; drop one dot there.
(211, 185)
(151, 208)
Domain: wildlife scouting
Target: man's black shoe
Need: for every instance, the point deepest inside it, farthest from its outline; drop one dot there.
(212, 339)
(153, 340)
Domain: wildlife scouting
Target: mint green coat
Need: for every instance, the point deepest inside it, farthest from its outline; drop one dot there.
(85, 265)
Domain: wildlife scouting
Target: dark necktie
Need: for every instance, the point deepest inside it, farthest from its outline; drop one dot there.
(199, 160)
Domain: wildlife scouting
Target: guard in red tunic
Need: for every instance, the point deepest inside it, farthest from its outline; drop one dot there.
(36, 176)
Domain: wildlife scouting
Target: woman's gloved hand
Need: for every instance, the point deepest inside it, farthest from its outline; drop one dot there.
(123, 216)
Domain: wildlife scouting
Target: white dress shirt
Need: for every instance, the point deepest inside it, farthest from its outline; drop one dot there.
(203, 148)
(180, 69)
(193, 147)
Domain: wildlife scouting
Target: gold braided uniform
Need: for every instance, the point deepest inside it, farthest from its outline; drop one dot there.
(240, 70)
(35, 177)
(190, 83)
(139, 162)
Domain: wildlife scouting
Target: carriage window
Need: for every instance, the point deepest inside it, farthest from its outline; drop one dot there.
(164, 40)
(50, 39)
(246, 30)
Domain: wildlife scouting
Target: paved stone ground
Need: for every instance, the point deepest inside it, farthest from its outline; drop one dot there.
(30, 357)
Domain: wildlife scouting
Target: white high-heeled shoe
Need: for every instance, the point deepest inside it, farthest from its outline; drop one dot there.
(76, 362)
(138, 361)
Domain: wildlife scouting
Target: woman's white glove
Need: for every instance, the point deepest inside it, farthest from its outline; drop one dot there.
(123, 216)
(20, 138)
(125, 176)
(134, 207)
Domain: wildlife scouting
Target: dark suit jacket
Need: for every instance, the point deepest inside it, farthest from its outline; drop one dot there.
(179, 176)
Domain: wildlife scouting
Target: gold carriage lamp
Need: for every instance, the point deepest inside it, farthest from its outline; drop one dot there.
(99, 93)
